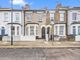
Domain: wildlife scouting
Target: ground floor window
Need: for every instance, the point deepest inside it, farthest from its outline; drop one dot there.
(13, 30)
(36, 30)
(61, 30)
(27, 31)
(56, 30)
(78, 30)
(18, 30)
(31, 30)
(74, 30)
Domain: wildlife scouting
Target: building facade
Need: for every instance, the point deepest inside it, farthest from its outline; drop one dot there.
(74, 22)
(35, 22)
(30, 25)
(7, 15)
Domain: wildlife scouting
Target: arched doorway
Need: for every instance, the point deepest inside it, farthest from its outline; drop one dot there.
(43, 32)
(48, 32)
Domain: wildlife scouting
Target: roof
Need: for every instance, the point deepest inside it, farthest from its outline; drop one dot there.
(9, 9)
(74, 8)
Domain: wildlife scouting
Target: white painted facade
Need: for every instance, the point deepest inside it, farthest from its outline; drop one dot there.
(5, 19)
(73, 23)
(5, 22)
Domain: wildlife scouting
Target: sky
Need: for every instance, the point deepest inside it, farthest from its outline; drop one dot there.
(38, 4)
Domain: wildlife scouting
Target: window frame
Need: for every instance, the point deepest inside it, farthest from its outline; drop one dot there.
(78, 30)
(74, 30)
(32, 30)
(61, 30)
(62, 17)
(74, 16)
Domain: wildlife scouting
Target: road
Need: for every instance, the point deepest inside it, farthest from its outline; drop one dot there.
(40, 54)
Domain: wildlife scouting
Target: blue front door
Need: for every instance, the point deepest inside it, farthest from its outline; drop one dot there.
(3, 31)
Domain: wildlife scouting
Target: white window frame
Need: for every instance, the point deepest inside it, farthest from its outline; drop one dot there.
(56, 30)
(52, 17)
(17, 17)
(61, 31)
(73, 29)
(61, 17)
(78, 30)
(6, 16)
(74, 16)
(32, 30)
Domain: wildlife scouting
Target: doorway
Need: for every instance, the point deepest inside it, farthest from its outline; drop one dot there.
(43, 32)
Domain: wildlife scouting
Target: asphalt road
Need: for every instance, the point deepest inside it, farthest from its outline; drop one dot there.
(40, 54)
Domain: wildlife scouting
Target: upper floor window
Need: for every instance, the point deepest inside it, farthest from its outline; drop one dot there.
(62, 17)
(17, 16)
(5, 16)
(74, 16)
(52, 17)
(40, 16)
(29, 17)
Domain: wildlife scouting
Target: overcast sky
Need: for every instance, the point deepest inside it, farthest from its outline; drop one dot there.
(36, 4)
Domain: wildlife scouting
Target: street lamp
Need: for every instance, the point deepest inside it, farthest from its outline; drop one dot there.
(52, 33)
(52, 23)
(11, 22)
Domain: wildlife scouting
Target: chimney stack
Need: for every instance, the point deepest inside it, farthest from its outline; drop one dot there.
(59, 5)
(26, 7)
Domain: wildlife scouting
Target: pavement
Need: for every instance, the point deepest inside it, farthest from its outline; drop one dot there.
(40, 44)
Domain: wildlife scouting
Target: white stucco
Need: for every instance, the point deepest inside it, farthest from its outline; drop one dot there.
(70, 21)
(70, 25)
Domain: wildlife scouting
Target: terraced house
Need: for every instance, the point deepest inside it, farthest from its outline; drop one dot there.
(74, 22)
(60, 22)
(5, 23)
(34, 22)
(56, 24)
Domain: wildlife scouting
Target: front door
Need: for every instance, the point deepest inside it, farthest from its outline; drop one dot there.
(43, 32)
(2, 31)
(48, 31)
